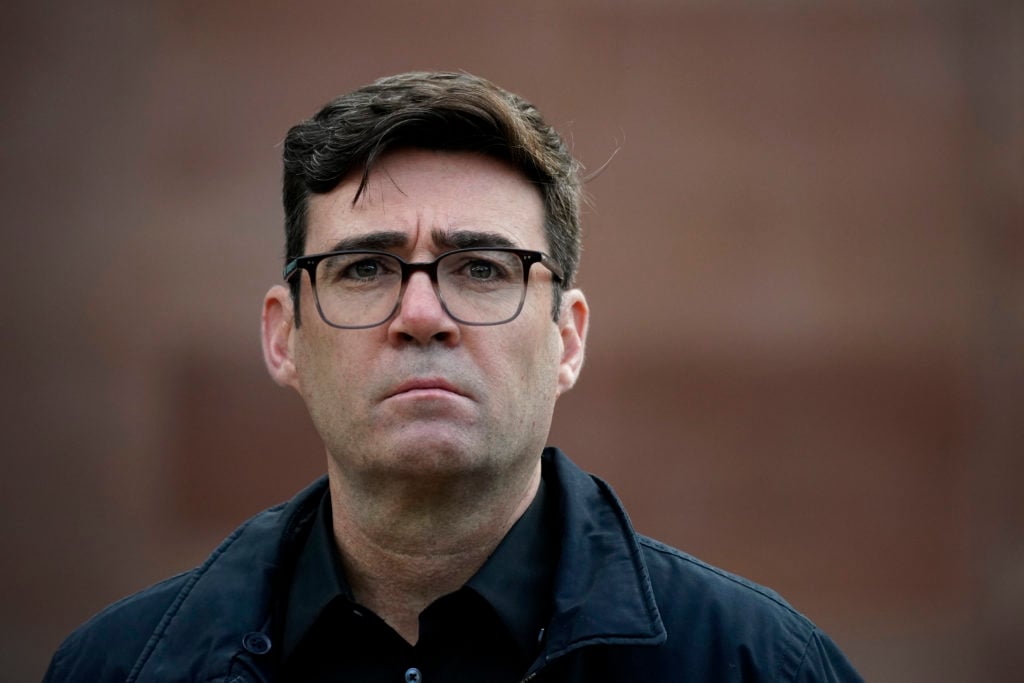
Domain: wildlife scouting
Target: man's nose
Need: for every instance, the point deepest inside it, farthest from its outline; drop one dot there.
(421, 316)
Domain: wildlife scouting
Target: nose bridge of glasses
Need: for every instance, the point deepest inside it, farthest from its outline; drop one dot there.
(409, 269)
(429, 272)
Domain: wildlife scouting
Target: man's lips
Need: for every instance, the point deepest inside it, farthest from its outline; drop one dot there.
(425, 384)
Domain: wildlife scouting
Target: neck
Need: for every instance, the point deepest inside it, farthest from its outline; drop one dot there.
(404, 546)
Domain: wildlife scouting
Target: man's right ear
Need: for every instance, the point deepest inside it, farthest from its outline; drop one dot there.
(278, 326)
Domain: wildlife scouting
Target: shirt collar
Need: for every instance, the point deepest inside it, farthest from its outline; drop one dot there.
(518, 577)
(516, 580)
(317, 581)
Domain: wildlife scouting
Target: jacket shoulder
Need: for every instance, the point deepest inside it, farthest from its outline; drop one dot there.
(189, 620)
(737, 621)
(106, 647)
(672, 569)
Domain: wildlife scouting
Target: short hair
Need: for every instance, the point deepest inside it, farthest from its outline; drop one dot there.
(438, 111)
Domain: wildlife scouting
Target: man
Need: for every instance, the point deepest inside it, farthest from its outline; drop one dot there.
(429, 323)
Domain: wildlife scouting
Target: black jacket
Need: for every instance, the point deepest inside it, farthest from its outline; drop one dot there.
(626, 608)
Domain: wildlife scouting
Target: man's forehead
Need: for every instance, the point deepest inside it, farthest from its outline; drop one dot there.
(398, 172)
(456, 199)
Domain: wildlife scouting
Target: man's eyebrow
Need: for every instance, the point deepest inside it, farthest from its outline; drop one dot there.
(466, 239)
(389, 240)
(378, 241)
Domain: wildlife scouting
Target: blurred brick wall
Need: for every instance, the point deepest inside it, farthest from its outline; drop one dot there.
(804, 263)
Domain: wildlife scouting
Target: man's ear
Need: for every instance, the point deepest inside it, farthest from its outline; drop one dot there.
(573, 321)
(278, 326)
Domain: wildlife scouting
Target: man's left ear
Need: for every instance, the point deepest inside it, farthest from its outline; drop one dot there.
(573, 321)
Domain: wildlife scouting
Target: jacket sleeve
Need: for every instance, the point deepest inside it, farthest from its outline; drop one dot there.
(824, 662)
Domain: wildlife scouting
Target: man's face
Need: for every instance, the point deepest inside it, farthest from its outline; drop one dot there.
(423, 395)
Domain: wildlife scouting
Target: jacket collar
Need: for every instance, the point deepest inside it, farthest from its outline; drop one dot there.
(603, 593)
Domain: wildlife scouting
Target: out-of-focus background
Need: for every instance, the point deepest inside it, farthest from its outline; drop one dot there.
(805, 264)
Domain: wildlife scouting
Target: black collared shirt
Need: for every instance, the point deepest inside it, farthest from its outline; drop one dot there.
(489, 630)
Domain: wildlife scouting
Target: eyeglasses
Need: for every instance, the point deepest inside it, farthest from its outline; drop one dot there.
(360, 289)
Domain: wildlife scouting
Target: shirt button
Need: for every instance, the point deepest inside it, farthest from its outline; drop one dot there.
(256, 643)
(413, 675)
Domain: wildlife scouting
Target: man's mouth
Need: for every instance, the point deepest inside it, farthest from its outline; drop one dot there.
(425, 385)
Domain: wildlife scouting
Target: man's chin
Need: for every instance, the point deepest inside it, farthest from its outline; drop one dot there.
(429, 446)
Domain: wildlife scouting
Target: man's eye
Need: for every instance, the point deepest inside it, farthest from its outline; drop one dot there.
(363, 270)
(483, 270)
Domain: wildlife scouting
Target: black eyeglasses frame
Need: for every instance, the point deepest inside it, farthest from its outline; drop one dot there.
(528, 257)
